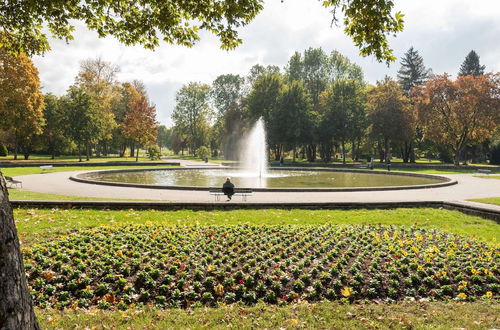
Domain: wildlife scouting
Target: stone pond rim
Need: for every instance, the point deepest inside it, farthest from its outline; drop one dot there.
(445, 181)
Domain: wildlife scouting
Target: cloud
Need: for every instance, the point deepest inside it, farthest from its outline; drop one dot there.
(442, 31)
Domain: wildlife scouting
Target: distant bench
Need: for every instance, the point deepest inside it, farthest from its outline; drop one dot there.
(243, 192)
(46, 167)
(483, 171)
(11, 182)
(364, 165)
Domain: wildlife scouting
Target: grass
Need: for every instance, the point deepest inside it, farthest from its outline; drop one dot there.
(324, 315)
(31, 195)
(489, 176)
(490, 200)
(39, 225)
(15, 171)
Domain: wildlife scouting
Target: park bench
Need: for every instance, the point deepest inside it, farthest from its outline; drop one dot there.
(483, 171)
(46, 167)
(363, 165)
(12, 183)
(243, 192)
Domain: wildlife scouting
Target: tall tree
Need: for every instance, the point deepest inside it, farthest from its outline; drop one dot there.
(471, 65)
(98, 79)
(294, 118)
(83, 117)
(55, 132)
(164, 137)
(140, 123)
(391, 116)
(343, 105)
(192, 113)
(412, 71)
(21, 101)
(459, 112)
(227, 95)
(340, 67)
(262, 101)
(315, 73)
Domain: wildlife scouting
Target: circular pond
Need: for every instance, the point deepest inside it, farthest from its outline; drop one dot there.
(275, 179)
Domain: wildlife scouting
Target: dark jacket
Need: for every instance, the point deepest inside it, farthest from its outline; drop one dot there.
(228, 188)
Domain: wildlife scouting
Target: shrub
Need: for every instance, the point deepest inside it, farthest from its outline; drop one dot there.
(202, 152)
(3, 150)
(154, 152)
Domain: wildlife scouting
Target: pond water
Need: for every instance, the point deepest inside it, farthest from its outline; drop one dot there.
(272, 179)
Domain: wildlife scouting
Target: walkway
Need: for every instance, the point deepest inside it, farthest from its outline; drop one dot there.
(468, 187)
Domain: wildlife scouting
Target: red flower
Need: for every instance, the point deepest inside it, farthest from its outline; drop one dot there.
(241, 281)
(183, 266)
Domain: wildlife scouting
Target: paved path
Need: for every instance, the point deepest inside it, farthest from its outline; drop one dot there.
(468, 187)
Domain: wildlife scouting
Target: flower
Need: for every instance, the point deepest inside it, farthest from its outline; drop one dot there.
(489, 294)
(346, 291)
(462, 295)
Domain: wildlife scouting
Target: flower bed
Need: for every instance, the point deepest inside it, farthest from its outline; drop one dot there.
(119, 267)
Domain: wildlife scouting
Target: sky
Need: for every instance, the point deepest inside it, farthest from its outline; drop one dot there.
(442, 31)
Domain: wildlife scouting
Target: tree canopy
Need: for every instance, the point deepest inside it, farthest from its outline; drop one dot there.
(24, 23)
(471, 66)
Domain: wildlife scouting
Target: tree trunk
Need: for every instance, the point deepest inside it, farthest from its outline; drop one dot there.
(137, 154)
(88, 151)
(457, 156)
(343, 152)
(294, 153)
(132, 150)
(16, 308)
(16, 146)
(80, 152)
(387, 148)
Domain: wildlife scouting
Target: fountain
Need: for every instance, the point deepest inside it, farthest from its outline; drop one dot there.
(253, 154)
(254, 173)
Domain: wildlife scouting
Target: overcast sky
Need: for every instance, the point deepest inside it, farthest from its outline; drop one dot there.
(443, 31)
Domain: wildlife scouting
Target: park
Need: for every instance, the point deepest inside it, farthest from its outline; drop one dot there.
(361, 184)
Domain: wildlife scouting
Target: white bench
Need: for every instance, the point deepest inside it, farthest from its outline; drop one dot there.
(46, 167)
(243, 192)
(12, 183)
(363, 165)
(483, 171)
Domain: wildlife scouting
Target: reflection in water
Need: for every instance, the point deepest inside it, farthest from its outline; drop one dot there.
(272, 179)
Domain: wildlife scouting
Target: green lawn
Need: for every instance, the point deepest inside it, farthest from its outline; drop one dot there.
(15, 171)
(324, 315)
(20, 194)
(491, 200)
(489, 176)
(38, 225)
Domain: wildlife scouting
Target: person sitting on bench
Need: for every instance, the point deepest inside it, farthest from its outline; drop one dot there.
(228, 189)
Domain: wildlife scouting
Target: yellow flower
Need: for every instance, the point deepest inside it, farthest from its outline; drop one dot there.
(346, 291)
(462, 295)
(219, 290)
(489, 294)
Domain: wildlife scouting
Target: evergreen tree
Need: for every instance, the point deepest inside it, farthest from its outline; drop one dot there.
(471, 66)
(413, 71)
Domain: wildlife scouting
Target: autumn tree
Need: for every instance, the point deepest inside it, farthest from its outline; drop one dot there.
(471, 65)
(140, 123)
(459, 112)
(21, 101)
(391, 116)
(192, 113)
(98, 79)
